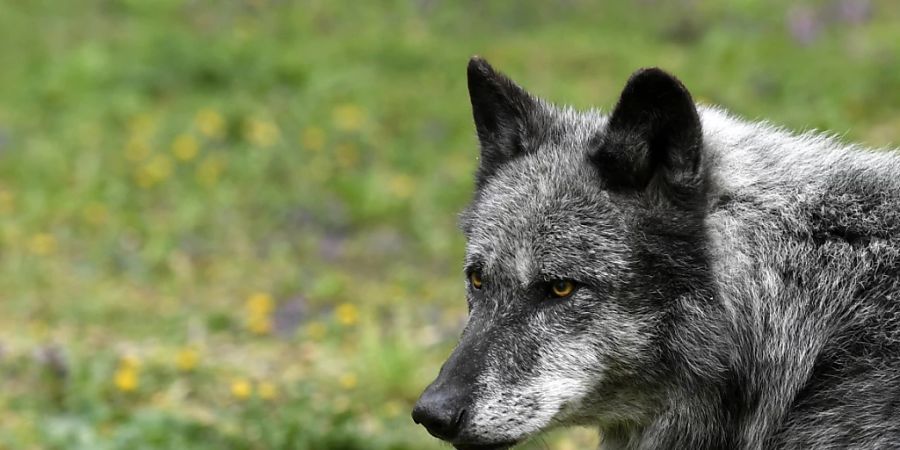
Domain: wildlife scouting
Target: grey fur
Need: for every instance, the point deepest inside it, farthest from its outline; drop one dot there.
(768, 317)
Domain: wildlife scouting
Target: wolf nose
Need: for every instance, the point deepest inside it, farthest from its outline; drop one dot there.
(440, 412)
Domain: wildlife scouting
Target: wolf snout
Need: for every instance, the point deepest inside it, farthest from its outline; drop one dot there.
(441, 410)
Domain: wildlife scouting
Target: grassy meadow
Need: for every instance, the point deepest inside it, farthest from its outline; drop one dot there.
(232, 224)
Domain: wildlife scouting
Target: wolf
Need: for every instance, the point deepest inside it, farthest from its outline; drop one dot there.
(672, 275)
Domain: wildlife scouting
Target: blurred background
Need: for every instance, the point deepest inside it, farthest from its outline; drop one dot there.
(232, 224)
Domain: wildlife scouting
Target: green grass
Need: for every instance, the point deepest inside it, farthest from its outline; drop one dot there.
(233, 224)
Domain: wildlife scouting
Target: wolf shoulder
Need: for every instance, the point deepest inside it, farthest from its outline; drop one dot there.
(807, 184)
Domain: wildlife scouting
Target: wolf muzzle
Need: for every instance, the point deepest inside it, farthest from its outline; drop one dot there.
(441, 410)
(444, 406)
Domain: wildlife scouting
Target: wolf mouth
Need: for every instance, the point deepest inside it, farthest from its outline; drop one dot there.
(496, 446)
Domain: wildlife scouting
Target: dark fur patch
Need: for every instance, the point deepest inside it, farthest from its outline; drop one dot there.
(654, 131)
(508, 120)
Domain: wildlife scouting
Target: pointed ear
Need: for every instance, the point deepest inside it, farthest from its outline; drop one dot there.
(653, 138)
(504, 114)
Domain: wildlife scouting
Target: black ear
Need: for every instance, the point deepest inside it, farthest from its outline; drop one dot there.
(653, 137)
(504, 116)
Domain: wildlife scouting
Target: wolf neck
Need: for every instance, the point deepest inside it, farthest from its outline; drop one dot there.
(697, 393)
(739, 355)
(788, 215)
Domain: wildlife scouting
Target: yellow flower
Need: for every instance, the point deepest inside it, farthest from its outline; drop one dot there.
(259, 308)
(267, 390)
(402, 185)
(348, 117)
(142, 125)
(130, 361)
(259, 324)
(348, 381)
(160, 167)
(95, 213)
(39, 328)
(126, 378)
(144, 180)
(6, 201)
(316, 330)
(260, 303)
(154, 171)
(312, 138)
(185, 147)
(241, 389)
(42, 244)
(261, 133)
(346, 155)
(347, 314)
(136, 149)
(209, 171)
(186, 359)
(210, 123)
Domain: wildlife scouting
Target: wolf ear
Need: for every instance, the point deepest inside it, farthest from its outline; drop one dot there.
(653, 137)
(504, 116)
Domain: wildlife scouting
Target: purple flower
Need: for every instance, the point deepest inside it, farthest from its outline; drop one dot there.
(52, 357)
(288, 316)
(853, 12)
(803, 24)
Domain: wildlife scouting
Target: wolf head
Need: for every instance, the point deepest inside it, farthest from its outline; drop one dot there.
(584, 233)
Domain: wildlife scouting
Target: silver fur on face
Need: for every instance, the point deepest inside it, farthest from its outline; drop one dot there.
(536, 220)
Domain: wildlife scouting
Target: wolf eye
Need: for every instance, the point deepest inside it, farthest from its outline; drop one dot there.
(475, 279)
(562, 288)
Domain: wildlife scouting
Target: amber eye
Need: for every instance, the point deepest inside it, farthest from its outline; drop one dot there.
(475, 279)
(562, 288)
